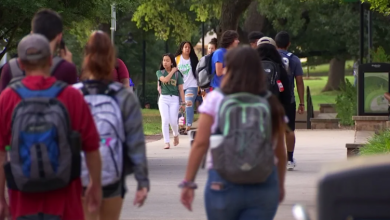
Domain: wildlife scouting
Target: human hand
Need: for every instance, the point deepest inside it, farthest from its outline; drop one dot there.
(187, 197)
(140, 197)
(174, 70)
(301, 109)
(66, 54)
(4, 210)
(93, 197)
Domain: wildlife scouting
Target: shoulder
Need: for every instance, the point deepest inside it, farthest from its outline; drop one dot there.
(5, 70)
(73, 92)
(212, 100)
(120, 62)
(7, 94)
(64, 69)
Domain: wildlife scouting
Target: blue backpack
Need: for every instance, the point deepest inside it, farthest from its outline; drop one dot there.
(286, 58)
(44, 153)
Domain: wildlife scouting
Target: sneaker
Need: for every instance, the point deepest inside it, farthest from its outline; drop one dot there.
(291, 165)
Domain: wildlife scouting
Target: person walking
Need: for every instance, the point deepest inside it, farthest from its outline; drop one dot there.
(246, 180)
(187, 61)
(118, 118)
(171, 87)
(40, 147)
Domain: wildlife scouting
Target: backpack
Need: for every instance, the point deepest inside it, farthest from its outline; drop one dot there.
(44, 153)
(244, 153)
(18, 74)
(272, 72)
(107, 115)
(203, 71)
(286, 60)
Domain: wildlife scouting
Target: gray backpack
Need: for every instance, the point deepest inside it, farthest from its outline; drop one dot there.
(245, 154)
(44, 153)
(18, 74)
(109, 123)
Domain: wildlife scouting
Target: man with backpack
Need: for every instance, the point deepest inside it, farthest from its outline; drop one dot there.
(49, 24)
(45, 125)
(294, 71)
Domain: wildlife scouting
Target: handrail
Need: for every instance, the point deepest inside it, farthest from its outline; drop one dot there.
(310, 109)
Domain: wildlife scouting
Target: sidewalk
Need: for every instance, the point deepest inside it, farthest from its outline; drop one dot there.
(314, 148)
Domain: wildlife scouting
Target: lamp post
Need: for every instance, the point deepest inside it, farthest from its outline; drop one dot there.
(113, 23)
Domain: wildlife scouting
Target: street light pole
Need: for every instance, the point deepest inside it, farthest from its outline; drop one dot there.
(113, 23)
(361, 32)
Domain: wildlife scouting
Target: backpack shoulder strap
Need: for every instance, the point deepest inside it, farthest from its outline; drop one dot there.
(56, 62)
(26, 93)
(15, 69)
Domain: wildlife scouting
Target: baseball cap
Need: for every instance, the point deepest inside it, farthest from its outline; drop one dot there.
(33, 47)
(266, 40)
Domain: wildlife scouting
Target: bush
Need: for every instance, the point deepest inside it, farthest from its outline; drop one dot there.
(346, 103)
(378, 144)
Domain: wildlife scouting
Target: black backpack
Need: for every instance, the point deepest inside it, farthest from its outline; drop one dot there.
(203, 71)
(272, 71)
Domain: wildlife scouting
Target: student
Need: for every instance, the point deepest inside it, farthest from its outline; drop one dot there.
(227, 193)
(120, 73)
(49, 24)
(254, 37)
(57, 197)
(229, 40)
(295, 71)
(187, 61)
(118, 118)
(212, 46)
(171, 86)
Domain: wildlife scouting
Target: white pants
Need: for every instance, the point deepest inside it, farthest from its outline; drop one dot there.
(169, 110)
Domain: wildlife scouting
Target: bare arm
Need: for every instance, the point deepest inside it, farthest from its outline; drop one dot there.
(200, 146)
(300, 88)
(219, 69)
(280, 153)
(181, 93)
(166, 79)
(94, 165)
(125, 82)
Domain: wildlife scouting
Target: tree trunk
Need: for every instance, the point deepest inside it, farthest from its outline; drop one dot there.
(230, 14)
(336, 74)
(254, 20)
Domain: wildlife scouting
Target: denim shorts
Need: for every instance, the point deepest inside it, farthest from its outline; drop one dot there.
(227, 201)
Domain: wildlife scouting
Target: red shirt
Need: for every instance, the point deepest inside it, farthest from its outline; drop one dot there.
(64, 202)
(120, 72)
(65, 71)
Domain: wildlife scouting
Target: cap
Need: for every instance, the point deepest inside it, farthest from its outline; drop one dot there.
(266, 40)
(33, 47)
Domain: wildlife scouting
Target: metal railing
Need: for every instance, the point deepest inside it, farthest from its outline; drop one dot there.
(310, 109)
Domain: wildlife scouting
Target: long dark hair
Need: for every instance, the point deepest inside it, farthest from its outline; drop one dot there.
(172, 60)
(245, 74)
(269, 52)
(194, 59)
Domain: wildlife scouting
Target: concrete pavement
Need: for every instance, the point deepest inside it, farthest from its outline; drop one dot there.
(314, 149)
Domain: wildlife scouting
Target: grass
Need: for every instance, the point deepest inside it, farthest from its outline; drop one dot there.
(316, 85)
(378, 144)
(152, 121)
(323, 69)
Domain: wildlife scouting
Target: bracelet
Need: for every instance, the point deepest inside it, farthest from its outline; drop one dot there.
(188, 184)
(183, 103)
(301, 104)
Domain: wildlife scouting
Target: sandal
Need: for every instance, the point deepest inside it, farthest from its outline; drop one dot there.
(176, 140)
(167, 146)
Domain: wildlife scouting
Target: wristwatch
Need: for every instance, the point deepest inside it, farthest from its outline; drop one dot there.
(188, 184)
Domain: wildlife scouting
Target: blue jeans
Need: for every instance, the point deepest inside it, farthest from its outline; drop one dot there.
(241, 202)
(190, 96)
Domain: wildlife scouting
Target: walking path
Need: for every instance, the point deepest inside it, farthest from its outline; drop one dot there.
(314, 149)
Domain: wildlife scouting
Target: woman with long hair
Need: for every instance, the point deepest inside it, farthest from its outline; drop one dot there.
(118, 120)
(187, 61)
(171, 86)
(225, 200)
(267, 51)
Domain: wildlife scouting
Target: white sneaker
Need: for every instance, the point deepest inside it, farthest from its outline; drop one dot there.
(291, 165)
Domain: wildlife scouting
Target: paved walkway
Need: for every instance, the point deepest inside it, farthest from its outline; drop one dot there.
(314, 149)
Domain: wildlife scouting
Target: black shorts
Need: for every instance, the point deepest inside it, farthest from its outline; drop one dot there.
(291, 111)
(113, 190)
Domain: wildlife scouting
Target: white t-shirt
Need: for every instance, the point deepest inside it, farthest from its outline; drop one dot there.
(185, 68)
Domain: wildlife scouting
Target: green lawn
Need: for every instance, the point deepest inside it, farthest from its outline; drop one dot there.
(322, 70)
(318, 97)
(152, 121)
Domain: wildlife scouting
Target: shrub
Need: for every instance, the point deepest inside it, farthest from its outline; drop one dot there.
(346, 103)
(151, 94)
(378, 144)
